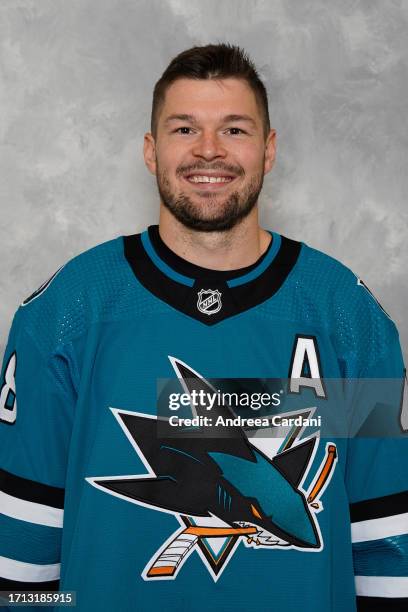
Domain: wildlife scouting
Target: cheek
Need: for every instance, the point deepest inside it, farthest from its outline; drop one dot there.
(249, 157)
(171, 153)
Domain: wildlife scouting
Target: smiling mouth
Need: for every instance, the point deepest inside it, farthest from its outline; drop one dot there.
(209, 182)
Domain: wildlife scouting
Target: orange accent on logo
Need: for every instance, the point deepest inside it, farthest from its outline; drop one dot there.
(219, 531)
(255, 512)
(324, 474)
(161, 571)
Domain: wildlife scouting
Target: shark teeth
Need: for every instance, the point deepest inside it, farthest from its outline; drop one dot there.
(261, 537)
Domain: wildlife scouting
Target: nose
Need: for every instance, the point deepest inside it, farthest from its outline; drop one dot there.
(208, 146)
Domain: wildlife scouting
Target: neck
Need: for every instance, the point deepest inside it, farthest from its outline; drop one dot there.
(236, 248)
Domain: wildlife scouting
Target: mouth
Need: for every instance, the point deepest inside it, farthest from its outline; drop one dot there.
(209, 182)
(262, 537)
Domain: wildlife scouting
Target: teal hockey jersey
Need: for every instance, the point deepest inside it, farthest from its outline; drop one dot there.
(283, 516)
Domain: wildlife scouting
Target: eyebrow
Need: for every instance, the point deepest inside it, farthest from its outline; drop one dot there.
(226, 119)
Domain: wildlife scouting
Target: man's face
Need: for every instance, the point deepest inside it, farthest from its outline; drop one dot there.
(210, 154)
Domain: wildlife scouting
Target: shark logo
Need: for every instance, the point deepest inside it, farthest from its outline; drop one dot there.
(224, 490)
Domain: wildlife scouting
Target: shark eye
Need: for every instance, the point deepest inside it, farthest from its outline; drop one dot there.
(255, 512)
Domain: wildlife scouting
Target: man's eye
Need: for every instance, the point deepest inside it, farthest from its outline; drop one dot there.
(236, 130)
(178, 130)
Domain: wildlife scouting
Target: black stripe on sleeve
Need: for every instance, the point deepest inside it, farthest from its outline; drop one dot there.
(382, 604)
(16, 585)
(31, 491)
(379, 507)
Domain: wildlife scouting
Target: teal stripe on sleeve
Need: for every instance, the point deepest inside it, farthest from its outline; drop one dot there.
(384, 557)
(29, 542)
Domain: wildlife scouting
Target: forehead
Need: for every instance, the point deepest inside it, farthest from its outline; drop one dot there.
(205, 97)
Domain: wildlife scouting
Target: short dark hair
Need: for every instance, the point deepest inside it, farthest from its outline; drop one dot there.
(211, 62)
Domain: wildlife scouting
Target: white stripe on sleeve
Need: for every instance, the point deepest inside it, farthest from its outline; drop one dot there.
(375, 529)
(30, 511)
(381, 586)
(28, 572)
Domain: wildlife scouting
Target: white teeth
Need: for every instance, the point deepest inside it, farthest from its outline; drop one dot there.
(209, 179)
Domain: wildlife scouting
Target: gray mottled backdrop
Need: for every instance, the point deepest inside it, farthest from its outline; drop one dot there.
(76, 78)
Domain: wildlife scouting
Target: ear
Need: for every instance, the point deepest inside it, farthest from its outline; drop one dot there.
(270, 151)
(149, 152)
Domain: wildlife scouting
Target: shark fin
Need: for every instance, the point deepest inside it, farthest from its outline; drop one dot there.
(292, 463)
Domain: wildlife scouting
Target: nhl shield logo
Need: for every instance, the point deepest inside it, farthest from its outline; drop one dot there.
(209, 301)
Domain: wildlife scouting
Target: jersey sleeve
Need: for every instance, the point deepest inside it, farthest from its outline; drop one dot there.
(377, 469)
(37, 398)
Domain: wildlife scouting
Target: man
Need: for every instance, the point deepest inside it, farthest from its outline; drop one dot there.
(112, 485)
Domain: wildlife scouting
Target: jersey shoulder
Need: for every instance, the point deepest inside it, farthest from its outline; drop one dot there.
(361, 330)
(78, 293)
(77, 270)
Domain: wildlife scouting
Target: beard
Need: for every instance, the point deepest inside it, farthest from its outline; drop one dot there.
(212, 213)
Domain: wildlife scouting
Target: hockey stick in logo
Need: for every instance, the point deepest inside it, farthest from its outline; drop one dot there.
(175, 553)
(323, 477)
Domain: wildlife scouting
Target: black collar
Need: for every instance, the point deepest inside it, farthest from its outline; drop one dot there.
(209, 296)
(192, 270)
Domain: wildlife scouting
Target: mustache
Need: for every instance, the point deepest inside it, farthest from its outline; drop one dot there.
(220, 167)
